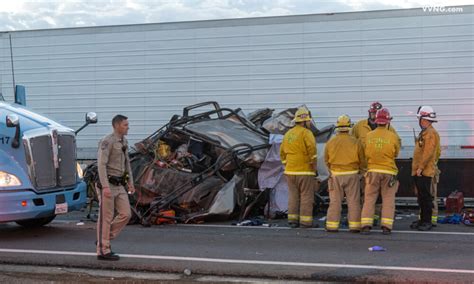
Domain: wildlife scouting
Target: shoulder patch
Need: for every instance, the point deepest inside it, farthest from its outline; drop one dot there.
(104, 145)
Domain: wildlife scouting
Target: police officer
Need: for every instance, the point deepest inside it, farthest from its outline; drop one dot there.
(344, 156)
(298, 154)
(115, 173)
(424, 165)
(381, 147)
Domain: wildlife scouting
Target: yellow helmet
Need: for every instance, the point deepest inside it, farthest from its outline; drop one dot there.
(302, 114)
(343, 123)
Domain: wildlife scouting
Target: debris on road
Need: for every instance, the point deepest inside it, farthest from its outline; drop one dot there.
(468, 217)
(250, 222)
(377, 248)
(453, 219)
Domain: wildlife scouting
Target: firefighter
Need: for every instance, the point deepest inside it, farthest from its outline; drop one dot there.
(424, 165)
(359, 131)
(113, 164)
(343, 155)
(381, 147)
(298, 155)
(364, 126)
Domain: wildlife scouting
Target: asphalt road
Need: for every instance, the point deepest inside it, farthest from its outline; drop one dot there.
(444, 255)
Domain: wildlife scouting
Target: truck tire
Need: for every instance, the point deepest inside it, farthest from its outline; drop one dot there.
(35, 223)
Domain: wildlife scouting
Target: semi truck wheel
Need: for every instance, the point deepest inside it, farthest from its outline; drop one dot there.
(35, 223)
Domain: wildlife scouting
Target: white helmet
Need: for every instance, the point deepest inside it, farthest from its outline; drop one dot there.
(426, 112)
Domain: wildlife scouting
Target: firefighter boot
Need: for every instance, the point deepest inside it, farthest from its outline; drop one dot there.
(386, 231)
(294, 225)
(415, 225)
(365, 230)
(425, 227)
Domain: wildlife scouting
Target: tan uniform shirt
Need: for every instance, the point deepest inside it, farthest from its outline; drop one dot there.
(343, 154)
(426, 152)
(113, 159)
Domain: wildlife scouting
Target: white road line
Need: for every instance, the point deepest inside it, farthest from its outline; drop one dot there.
(243, 261)
(322, 229)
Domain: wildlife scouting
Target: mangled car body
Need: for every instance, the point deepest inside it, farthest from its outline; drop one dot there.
(206, 165)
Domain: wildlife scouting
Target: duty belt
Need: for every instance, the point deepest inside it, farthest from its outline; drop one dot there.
(117, 180)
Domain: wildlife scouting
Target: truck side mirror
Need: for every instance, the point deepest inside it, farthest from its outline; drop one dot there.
(12, 120)
(91, 118)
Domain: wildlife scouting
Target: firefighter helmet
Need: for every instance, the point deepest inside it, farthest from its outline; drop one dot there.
(343, 123)
(426, 112)
(302, 114)
(383, 116)
(374, 107)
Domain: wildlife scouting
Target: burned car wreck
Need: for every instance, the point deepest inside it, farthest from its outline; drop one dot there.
(215, 164)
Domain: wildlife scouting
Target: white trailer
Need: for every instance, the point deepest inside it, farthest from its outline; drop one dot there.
(334, 63)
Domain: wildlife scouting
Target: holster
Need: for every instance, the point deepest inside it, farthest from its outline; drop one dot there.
(123, 180)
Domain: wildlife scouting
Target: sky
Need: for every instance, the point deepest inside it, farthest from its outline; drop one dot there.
(45, 14)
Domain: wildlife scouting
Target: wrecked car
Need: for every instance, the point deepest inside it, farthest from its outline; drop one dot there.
(214, 164)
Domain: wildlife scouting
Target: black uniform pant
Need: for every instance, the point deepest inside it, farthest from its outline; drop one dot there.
(425, 199)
